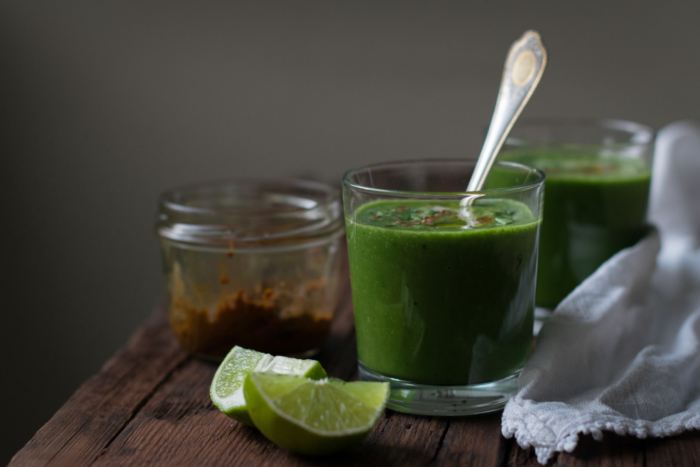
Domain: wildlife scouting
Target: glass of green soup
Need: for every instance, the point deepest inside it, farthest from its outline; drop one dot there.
(443, 281)
(598, 176)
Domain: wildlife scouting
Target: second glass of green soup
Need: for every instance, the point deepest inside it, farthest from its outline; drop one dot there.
(597, 190)
(443, 281)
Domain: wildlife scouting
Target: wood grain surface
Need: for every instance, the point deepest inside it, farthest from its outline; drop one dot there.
(150, 405)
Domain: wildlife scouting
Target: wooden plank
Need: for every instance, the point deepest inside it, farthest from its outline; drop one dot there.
(474, 441)
(398, 440)
(613, 450)
(619, 451)
(177, 426)
(683, 449)
(105, 404)
(180, 426)
(515, 456)
(150, 404)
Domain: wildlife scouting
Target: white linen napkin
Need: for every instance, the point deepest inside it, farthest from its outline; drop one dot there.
(622, 352)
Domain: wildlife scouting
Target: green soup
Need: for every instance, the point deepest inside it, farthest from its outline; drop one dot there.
(594, 206)
(439, 297)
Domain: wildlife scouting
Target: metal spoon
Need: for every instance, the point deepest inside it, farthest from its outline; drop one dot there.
(521, 74)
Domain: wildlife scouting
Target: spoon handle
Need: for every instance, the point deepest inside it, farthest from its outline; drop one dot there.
(521, 73)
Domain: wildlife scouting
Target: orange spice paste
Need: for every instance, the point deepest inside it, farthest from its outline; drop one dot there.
(263, 320)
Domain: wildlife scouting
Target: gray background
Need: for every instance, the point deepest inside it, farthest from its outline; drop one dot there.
(105, 104)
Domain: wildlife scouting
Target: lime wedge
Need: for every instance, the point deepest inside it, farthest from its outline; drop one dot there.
(227, 386)
(313, 417)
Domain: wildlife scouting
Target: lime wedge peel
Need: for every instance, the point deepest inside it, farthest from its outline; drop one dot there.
(227, 386)
(313, 417)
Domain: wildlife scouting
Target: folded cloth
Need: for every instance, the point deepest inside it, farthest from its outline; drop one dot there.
(622, 352)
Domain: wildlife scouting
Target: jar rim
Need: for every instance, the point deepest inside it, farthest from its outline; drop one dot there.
(168, 195)
(255, 211)
(638, 134)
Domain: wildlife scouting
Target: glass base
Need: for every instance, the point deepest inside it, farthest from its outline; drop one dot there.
(542, 315)
(451, 401)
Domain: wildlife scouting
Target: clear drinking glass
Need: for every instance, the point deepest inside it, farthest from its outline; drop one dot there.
(597, 189)
(253, 263)
(443, 281)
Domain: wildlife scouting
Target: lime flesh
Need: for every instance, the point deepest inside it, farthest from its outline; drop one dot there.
(313, 417)
(227, 386)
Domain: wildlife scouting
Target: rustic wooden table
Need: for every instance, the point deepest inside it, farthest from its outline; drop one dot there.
(150, 405)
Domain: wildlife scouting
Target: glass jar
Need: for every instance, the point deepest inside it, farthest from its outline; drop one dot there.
(253, 263)
(596, 194)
